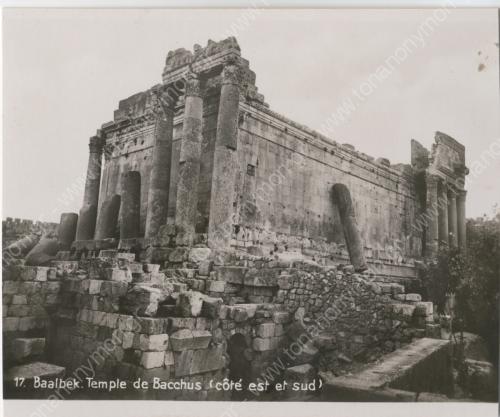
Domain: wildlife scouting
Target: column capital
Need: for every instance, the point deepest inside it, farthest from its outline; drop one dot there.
(96, 144)
(432, 180)
(192, 85)
(230, 74)
(461, 193)
(163, 100)
(452, 192)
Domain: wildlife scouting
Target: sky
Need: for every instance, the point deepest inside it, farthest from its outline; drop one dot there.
(65, 71)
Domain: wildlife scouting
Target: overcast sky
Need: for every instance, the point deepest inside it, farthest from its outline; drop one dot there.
(66, 70)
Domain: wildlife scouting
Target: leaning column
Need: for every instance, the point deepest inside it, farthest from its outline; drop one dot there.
(222, 197)
(452, 218)
(189, 164)
(461, 222)
(432, 231)
(355, 247)
(88, 214)
(159, 184)
(443, 214)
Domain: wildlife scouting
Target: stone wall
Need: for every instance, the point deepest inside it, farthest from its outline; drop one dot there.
(286, 175)
(30, 295)
(205, 316)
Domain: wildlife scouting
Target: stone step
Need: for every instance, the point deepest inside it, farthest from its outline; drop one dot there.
(35, 369)
(24, 348)
(406, 370)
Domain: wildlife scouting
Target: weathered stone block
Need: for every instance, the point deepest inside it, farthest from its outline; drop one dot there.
(108, 253)
(10, 324)
(216, 286)
(28, 371)
(119, 275)
(190, 303)
(405, 310)
(242, 312)
(127, 323)
(142, 300)
(261, 345)
(385, 287)
(151, 268)
(130, 257)
(52, 287)
(19, 310)
(375, 287)
(232, 274)
(424, 308)
(94, 286)
(151, 360)
(178, 255)
(198, 255)
(190, 339)
(113, 289)
(169, 358)
(433, 331)
(27, 323)
(397, 289)
(154, 342)
(204, 268)
(149, 325)
(280, 317)
(176, 323)
(10, 287)
(413, 297)
(25, 347)
(266, 330)
(19, 299)
(211, 306)
(127, 340)
(191, 362)
(180, 287)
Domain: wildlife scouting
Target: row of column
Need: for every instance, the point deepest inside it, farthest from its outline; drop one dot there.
(102, 225)
(93, 225)
(446, 223)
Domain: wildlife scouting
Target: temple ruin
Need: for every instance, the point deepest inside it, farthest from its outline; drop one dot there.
(215, 232)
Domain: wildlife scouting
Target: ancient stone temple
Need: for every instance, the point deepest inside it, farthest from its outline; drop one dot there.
(214, 165)
(213, 231)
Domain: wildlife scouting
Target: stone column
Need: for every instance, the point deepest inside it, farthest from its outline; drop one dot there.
(452, 218)
(189, 164)
(222, 198)
(107, 221)
(461, 222)
(432, 231)
(67, 230)
(88, 213)
(130, 225)
(443, 213)
(159, 184)
(355, 246)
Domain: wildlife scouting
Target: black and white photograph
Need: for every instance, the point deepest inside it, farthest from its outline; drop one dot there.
(250, 205)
